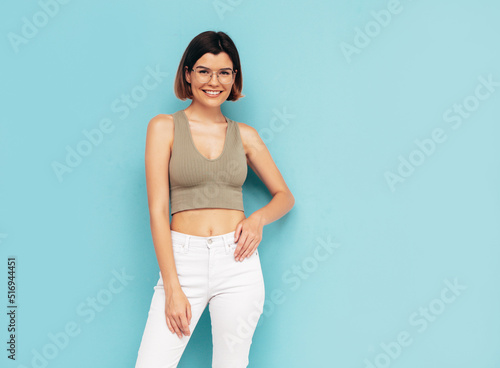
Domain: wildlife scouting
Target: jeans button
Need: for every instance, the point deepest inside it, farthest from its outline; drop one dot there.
(209, 241)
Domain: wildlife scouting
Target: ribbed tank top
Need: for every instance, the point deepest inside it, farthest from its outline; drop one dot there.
(198, 182)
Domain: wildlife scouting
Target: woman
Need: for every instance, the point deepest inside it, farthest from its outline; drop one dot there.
(197, 159)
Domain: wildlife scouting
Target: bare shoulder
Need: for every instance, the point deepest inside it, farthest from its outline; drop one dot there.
(248, 133)
(160, 135)
(161, 122)
(161, 126)
(250, 137)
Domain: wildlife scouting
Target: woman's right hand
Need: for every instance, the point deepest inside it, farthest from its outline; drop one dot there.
(177, 312)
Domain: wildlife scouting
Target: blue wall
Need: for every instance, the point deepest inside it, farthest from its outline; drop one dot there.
(383, 117)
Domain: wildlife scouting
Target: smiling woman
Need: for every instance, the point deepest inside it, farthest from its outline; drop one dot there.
(196, 160)
(199, 55)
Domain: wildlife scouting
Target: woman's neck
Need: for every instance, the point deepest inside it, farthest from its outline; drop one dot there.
(205, 113)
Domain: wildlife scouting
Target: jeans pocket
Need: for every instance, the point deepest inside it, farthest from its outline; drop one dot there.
(178, 248)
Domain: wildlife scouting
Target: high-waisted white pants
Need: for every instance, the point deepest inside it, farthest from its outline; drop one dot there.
(208, 274)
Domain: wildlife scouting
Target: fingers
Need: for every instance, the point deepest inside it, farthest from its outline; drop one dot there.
(172, 326)
(189, 315)
(241, 246)
(241, 242)
(169, 324)
(179, 323)
(237, 232)
(243, 250)
(175, 328)
(184, 325)
(249, 251)
(180, 326)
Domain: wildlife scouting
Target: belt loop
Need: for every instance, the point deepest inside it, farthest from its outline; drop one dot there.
(226, 245)
(186, 243)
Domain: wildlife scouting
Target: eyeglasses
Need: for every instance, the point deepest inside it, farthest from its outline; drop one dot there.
(204, 75)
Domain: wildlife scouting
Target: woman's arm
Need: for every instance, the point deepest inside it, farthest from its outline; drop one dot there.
(157, 157)
(248, 232)
(260, 160)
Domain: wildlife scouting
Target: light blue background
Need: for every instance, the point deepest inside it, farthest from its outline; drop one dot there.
(350, 119)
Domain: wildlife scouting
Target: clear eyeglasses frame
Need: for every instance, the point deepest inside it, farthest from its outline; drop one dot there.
(204, 75)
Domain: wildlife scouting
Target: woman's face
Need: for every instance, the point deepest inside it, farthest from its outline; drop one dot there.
(214, 63)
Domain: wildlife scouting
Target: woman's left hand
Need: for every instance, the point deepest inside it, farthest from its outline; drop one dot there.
(248, 234)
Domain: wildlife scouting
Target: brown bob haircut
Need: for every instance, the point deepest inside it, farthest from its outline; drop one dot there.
(214, 43)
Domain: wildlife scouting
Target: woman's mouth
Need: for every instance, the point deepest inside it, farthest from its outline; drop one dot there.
(210, 93)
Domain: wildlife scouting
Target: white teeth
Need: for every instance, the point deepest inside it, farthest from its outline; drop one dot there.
(212, 93)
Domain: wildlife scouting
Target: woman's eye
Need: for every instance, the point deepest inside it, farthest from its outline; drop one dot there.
(202, 71)
(224, 73)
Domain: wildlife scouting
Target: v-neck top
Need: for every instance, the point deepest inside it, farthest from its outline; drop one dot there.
(196, 181)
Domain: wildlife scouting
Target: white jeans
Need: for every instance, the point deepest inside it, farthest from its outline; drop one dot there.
(208, 274)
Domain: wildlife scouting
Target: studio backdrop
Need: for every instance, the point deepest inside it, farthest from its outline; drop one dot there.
(382, 116)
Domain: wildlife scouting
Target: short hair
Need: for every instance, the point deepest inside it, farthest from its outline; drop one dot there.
(214, 43)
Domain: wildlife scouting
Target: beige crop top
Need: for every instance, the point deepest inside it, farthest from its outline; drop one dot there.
(198, 182)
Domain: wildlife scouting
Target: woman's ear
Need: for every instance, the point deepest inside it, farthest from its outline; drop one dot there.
(188, 75)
